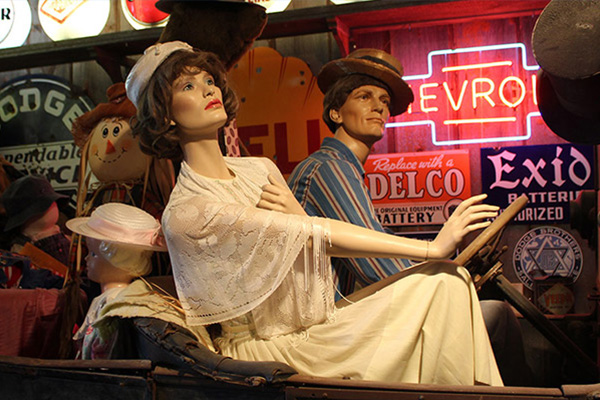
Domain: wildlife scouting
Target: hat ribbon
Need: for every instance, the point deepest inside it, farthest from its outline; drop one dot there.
(379, 61)
(127, 235)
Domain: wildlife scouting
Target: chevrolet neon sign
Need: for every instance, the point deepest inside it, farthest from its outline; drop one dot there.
(473, 95)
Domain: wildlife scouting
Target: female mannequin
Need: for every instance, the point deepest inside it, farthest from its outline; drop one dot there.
(264, 275)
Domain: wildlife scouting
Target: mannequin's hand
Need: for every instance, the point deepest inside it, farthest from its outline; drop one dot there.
(468, 216)
(278, 197)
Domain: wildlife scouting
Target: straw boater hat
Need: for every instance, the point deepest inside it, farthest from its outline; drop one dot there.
(121, 224)
(118, 106)
(375, 63)
(565, 42)
(227, 28)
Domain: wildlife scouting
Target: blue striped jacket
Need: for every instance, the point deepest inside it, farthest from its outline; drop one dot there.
(330, 183)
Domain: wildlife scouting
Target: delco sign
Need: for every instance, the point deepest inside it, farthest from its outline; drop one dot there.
(417, 188)
(550, 176)
(473, 95)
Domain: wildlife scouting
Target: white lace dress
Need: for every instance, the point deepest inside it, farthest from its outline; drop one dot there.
(261, 276)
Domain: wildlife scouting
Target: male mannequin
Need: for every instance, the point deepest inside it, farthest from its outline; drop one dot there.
(361, 92)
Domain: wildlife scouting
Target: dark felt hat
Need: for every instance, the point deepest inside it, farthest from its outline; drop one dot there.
(227, 28)
(27, 197)
(375, 63)
(565, 42)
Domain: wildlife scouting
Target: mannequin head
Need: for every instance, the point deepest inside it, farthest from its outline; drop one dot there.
(120, 240)
(337, 96)
(151, 86)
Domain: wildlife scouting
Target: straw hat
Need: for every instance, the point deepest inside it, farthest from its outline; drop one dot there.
(121, 224)
(375, 63)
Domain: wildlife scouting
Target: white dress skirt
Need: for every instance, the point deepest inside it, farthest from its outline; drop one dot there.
(252, 271)
(413, 331)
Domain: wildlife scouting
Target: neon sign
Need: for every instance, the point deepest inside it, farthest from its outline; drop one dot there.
(473, 95)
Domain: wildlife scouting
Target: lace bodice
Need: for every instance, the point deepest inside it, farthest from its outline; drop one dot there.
(230, 258)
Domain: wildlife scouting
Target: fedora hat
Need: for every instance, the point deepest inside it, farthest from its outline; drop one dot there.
(28, 197)
(565, 43)
(375, 63)
(121, 224)
(227, 28)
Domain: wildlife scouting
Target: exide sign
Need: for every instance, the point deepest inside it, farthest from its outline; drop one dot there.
(473, 95)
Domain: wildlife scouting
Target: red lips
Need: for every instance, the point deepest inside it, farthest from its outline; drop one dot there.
(213, 103)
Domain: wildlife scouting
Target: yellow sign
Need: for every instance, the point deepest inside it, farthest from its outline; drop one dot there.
(280, 107)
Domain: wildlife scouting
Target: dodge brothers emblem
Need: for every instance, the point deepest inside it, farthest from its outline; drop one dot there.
(547, 251)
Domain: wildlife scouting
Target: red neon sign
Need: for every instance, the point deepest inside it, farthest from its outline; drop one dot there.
(473, 95)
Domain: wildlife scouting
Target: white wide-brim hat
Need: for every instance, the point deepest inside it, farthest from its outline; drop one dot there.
(121, 224)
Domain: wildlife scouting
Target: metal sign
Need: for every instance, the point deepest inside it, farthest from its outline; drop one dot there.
(550, 175)
(73, 19)
(417, 188)
(15, 22)
(36, 115)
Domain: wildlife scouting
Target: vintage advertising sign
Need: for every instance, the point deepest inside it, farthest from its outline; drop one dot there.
(15, 22)
(417, 188)
(550, 175)
(71, 19)
(280, 107)
(272, 5)
(142, 14)
(473, 95)
(36, 115)
(547, 251)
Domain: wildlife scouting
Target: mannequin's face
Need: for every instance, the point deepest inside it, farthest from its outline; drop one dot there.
(114, 154)
(99, 269)
(197, 105)
(364, 114)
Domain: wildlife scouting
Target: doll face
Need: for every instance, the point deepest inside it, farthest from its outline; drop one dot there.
(365, 113)
(197, 105)
(114, 154)
(99, 269)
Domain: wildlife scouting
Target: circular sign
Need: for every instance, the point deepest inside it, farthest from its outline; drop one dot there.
(272, 5)
(547, 251)
(15, 22)
(142, 14)
(73, 19)
(38, 109)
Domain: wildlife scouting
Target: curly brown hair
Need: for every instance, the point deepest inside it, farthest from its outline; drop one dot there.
(153, 120)
(338, 93)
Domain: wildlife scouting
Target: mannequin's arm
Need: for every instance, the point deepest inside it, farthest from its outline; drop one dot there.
(353, 241)
(349, 240)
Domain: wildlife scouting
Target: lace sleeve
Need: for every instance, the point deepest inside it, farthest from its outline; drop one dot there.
(228, 258)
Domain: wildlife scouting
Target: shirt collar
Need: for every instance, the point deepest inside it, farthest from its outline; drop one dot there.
(345, 153)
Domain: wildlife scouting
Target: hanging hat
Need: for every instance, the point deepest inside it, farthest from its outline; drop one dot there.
(565, 42)
(227, 28)
(375, 63)
(118, 106)
(28, 197)
(121, 224)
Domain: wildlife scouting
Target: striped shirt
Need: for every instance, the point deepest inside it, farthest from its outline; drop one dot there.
(330, 183)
